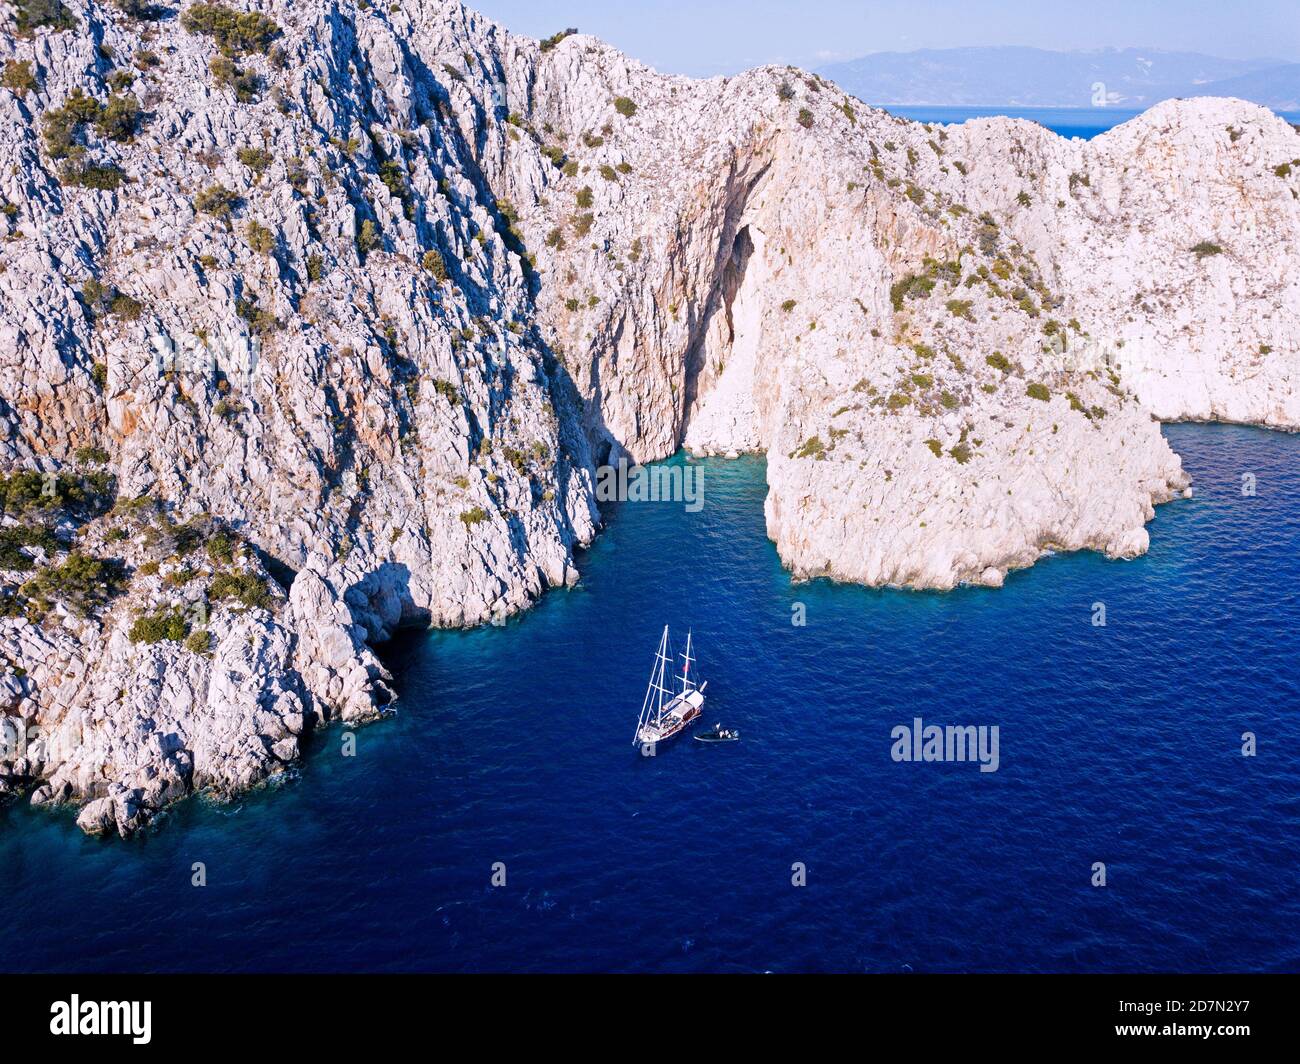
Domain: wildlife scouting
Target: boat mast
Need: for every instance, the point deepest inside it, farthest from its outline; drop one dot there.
(652, 707)
(687, 683)
(665, 662)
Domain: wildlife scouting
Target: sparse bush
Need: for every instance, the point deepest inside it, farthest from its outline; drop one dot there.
(221, 548)
(368, 238)
(805, 118)
(961, 308)
(82, 582)
(447, 390)
(216, 200)
(14, 538)
(1036, 390)
(624, 106)
(62, 124)
(936, 448)
(256, 159)
(812, 448)
(555, 38)
(999, 361)
(260, 238)
(584, 198)
(913, 286)
(91, 455)
(608, 173)
(199, 642)
(125, 307)
(227, 74)
(474, 516)
(18, 77)
(118, 118)
(1205, 249)
(140, 10)
(103, 178)
(235, 32)
(30, 14)
(247, 588)
(433, 262)
(165, 625)
(28, 491)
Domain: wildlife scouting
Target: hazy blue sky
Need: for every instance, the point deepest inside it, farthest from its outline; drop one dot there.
(703, 37)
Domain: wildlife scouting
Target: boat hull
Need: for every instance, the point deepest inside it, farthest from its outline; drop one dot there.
(683, 711)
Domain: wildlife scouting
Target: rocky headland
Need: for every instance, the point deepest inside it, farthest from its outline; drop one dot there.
(318, 319)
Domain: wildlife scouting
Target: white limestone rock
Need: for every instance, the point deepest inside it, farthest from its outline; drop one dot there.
(952, 345)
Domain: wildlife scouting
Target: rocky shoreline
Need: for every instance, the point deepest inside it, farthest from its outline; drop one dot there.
(321, 321)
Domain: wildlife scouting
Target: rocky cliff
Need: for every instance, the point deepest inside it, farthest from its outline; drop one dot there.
(317, 319)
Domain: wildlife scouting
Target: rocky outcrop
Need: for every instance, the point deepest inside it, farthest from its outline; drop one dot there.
(327, 321)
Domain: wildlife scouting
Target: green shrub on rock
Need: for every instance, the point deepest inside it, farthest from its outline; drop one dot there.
(247, 588)
(31, 14)
(118, 119)
(157, 627)
(216, 200)
(18, 77)
(235, 32)
(433, 262)
(256, 159)
(83, 582)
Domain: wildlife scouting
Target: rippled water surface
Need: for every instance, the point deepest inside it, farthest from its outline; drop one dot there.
(1118, 744)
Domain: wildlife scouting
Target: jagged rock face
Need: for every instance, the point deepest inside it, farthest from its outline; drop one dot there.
(380, 291)
(387, 428)
(950, 342)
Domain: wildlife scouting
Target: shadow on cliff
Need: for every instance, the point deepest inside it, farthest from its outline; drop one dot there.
(382, 603)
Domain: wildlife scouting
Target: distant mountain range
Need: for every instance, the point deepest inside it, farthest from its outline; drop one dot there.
(1035, 77)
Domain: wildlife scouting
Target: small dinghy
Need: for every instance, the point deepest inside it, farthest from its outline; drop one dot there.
(719, 734)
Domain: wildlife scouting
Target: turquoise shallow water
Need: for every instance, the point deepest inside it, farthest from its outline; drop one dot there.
(1085, 122)
(1118, 744)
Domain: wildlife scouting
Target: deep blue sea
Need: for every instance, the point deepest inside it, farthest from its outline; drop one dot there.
(1118, 744)
(1084, 122)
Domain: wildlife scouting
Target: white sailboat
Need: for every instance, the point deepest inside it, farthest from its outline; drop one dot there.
(666, 711)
